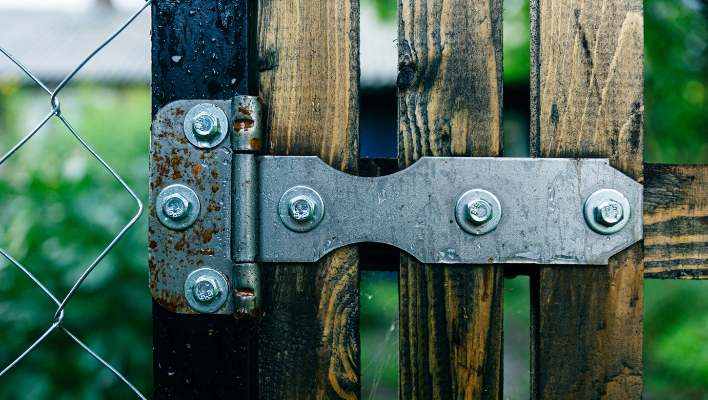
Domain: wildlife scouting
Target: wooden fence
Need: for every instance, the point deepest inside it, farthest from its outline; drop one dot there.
(302, 58)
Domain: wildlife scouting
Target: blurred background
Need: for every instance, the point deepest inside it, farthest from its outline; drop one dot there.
(59, 208)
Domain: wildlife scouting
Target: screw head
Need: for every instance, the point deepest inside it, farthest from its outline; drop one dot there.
(609, 213)
(205, 289)
(205, 125)
(606, 211)
(302, 208)
(175, 206)
(479, 211)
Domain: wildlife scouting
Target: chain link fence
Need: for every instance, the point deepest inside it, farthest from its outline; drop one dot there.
(63, 303)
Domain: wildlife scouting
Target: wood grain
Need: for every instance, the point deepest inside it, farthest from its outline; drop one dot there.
(676, 221)
(450, 103)
(309, 77)
(587, 102)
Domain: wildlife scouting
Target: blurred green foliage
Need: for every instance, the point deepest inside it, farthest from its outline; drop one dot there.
(676, 40)
(60, 208)
(379, 335)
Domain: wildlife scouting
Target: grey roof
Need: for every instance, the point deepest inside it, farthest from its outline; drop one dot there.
(52, 43)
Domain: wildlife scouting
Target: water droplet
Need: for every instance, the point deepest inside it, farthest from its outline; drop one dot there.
(176, 59)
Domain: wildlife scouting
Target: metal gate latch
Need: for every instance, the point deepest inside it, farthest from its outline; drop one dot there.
(218, 209)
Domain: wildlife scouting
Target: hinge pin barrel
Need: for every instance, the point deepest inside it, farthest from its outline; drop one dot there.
(246, 142)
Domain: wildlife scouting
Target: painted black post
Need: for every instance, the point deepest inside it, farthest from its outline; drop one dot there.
(200, 49)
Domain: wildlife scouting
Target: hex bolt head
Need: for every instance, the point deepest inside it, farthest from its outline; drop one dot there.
(479, 211)
(608, 213)
(302, 208)
(205, 289)
(205, 125)
(175, 206)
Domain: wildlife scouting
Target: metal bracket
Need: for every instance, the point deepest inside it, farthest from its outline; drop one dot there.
(252, 209)
(536, 213)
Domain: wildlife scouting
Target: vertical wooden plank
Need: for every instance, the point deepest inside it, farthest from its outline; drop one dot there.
(587, 102)
(450, 102)
(309, 75)
(201, 356)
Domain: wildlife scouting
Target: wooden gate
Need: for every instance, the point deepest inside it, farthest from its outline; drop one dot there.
(302, 58)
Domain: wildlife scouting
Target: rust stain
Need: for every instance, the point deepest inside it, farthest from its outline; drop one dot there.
(171, 301)
(213, 206)
(153, 244)
(244, 111)
(243, 124)
(176, 164)
(255, 144)
(214, 174)
(181, 244)
(206, 251)
(207, 235)
(214, 187)
(197, 169)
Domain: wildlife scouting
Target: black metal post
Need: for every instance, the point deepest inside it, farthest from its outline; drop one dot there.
(201, 49)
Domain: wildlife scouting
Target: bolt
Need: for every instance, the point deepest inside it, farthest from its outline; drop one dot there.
(479, 211)
(302, 208)
(175, 206)
(609, 213)
(205, 289)
(205, 125)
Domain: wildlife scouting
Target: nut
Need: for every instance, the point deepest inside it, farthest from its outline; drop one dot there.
(302, 208)
(608, 213)
(175, 206)
(205, 125)
(479, 211)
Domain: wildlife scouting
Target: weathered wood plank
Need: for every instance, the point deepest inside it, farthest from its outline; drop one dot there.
(450, 102)
(309, 77)
(676, 221)
(587, 102)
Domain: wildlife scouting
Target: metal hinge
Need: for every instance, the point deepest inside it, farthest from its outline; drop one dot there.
(219, 209)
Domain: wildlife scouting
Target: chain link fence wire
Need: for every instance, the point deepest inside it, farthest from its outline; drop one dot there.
(55, 112)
